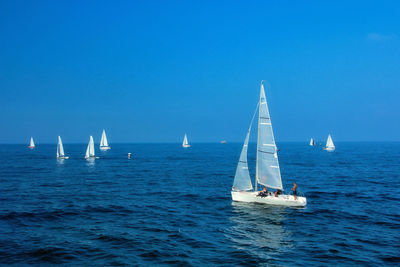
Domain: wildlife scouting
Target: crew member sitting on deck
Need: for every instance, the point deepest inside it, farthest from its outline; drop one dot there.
(278, 192)
(263, 193)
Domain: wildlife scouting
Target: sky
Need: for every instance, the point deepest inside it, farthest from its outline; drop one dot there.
(151, 71)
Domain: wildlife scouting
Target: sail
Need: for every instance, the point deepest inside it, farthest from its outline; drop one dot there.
(103, 141)
(329, 142)
(87, 154)
(91, 147)
(267, 166)
(242, 181)
(312, 143)
(32, 144)
(60, 148)
(185, 141)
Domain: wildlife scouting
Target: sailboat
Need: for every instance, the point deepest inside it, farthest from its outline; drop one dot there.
(267, 165)
(103, 142)
(185, 142)
(329, 144)
(90, 150)
(31, 144)
(60, 150)
(312, 142)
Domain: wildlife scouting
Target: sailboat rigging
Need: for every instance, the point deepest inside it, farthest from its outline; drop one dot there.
(329, 144)
(60, 149)
(104, 142)
(31, 144)
(185, 142)
(267, 165)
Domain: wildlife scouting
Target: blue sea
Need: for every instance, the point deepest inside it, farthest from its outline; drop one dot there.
(172, 206)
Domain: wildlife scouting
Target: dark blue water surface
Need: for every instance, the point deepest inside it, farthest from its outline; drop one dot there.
(172, 206)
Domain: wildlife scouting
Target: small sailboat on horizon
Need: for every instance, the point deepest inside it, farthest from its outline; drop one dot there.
(185, 142)
(312, 142)
(104, 142)
(267, 165)
(60, 150)
(31, 144)
(329, 144)
(90, 154)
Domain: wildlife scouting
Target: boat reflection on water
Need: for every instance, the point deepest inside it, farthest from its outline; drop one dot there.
(90, 162)
(259, 230)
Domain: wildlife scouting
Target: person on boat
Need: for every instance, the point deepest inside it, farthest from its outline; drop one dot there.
(294, 190)
(263, 193)
(278, 192)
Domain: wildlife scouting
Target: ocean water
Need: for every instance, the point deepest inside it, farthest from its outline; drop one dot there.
(172, 206)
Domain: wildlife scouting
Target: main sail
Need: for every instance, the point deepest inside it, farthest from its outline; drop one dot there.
(60, 148)
(267, 166)
(103, 141)
(242, 181)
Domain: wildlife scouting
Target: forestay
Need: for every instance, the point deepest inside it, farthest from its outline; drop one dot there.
(242, 181)
(267, 166)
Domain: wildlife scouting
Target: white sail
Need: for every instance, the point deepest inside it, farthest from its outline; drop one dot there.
(32, 144)
(185, 142)
(329, 142)
(242, 181)
(312, 142)
(90, 149)
(103, 141)
(267, 166)
(60, 148)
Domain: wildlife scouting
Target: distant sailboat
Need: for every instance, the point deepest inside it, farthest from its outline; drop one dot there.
(185, 142)
(267, 166)
(60, 150)
(329, 144)
(223, 142)
(312, 142)
(90, 150)
(103, 142)
(31, 144)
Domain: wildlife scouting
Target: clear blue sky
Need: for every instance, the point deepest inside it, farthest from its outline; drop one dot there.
(149, 71)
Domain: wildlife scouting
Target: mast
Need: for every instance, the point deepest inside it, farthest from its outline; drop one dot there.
(258, 137)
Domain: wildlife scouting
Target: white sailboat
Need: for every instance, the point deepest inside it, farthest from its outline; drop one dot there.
(60, 150)
(31, 144)
(329, 144)
(267, 166)
(103, 142)
(90, 150)
(185, 142)
(312, 142)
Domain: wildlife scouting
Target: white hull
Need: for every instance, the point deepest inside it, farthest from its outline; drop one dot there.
(105, 148)
(329, 148)
(92, 157)
(282, 200)
(185, 145)
(62, 157)
(31, 147)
